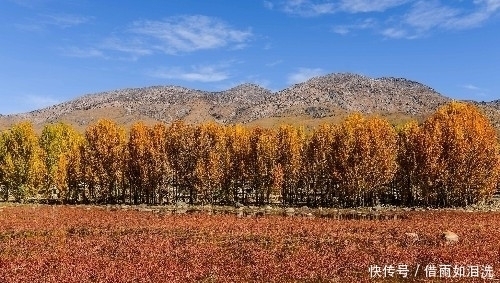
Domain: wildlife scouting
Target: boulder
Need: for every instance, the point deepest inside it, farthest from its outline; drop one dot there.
(412, 237)
(449, 237)
(289, 211)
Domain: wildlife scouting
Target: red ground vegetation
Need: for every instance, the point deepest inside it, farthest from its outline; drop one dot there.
(80, 244)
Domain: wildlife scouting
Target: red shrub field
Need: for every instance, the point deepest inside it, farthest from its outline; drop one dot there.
(93, 244)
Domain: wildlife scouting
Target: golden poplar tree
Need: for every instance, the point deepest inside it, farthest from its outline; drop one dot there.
(365, 158)
(212, 162)
(159, 169)
(182, 158)
(262, 162)
(290, 143)
(406, 181)
(21, 162)
(238, 149)
(57, 141)
(104, 160)
(138, 163)
(318, 165)
(69, 176)
(460, 163)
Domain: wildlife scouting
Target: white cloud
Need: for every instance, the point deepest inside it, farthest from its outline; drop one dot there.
(268, 5)
(65, 20)
(189, 33)
(40, 101)
(414, 18)
(342, 30)
(474, 88)
(312, 8)
(427, 16)
(274, 63)
(135, 48)
(307, 8)
(363, 6)
(172, 36)
(395, 33)
(46, 21)
(195, 73)
(303, 74)
(362, 25)
(471, 87)
(79, 52)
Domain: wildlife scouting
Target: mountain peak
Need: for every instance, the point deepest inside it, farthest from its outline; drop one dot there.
(323, 98)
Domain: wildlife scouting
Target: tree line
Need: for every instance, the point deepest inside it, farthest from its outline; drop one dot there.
(451, 159)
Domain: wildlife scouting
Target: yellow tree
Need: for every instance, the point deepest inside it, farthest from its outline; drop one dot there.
(160, 174)
(182, 158)
(460, 163)
(69, 176)
(405, 184)
(365, 158)
(238, 149)
(138, 162)
(212, 163)
(262, 162)
(57, 141)
(20, 162)
(318, 162)
(290, 143)
(104, 156)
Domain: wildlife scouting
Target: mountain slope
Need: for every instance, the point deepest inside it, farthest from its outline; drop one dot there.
(322, 99)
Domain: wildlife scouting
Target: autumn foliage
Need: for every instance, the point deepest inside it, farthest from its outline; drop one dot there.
(452, 159)
(93, 244)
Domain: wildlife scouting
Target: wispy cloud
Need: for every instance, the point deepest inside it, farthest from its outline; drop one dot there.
(79, 52)
(274, 63)
(307, 8)
(64, 20)
(269, 5)
(427, 16)
(471, 87)
(361, 25)
(40, 101)
(189, 33)
(45, 21)
(173, 36)
(303, 74)
(194, 73)
(415, 18)
(312, 8)
(130, 49)
(364, 6)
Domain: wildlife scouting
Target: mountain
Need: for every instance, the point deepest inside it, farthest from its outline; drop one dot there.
(321, 99)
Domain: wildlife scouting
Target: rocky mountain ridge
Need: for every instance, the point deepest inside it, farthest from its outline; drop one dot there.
(318, 99)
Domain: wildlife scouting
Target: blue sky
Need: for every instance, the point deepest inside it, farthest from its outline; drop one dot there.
(55, 50)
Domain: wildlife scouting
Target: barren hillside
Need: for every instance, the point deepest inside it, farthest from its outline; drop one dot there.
(321, 99)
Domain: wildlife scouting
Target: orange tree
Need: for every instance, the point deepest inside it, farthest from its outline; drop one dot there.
(212, 161)
(459, 162)
(104, 161)
(318, 161)
(236, 184)
(181, 151)
(262, 162)
(160, 172)
(406, 183)
(290, 143)
(364, 159)
(137, 169)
